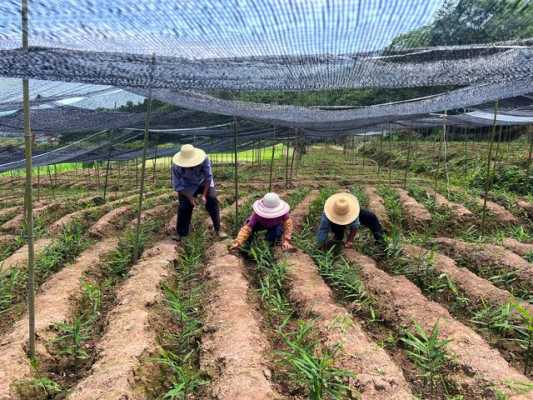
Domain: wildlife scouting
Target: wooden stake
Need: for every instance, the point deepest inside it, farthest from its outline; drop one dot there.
(28, 200)
(488, 181)
(143, 169)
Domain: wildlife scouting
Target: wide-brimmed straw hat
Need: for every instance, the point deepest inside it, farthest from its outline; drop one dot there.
(342, 208)
(189, 156)
(270, 206)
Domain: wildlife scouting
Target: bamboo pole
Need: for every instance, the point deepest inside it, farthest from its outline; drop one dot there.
(287, 164)
(530, 151)
(272, 162)
(236, 171)
(407, 161)
(107, 171)
(488, 181)
(445, 141)
(28, 200)
(143, 169)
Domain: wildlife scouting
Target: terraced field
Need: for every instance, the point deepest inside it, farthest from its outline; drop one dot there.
(436, 314)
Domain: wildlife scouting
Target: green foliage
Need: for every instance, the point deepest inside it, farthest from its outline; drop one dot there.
(428, 352)
(511, 178)
(39, 388)
(317, 372)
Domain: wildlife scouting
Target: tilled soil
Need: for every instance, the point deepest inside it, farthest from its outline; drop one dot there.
(477, 289)
(128, 337)
(526, 206)
(480, 369)
(234, 349)
(517, 247)
(460, 212)
(499, 213)
(16, 223)
(300, 212)
(9, 212)
(53, 304)
(108, 223)
(416, 214)
(6, 239)
(483, 255)
(154, 213)
(377, 205)
(376, 375)
(20, 257)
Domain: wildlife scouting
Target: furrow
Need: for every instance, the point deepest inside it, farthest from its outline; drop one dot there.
(417, 215)
(485, 255)
(6, 239)
(460, 212)
(20, 256)
(53, 304)
(478, 290)
(376, 375)
(377, 205)
(128, 337)
(108, 223)
(522, 249)
(152, 213)
(526, 206)
(498, 212)
(481, 369)
(234, 349)
(16, 223)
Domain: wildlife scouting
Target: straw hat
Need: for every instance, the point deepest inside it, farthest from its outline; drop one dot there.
(189, 156)
(270, 206)
(342, 208)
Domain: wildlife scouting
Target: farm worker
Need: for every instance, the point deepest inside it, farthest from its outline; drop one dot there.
(192, 176)
(342, 211)
(269, 213)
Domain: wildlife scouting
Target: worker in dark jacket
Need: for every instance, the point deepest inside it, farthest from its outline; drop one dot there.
(192, 176)
(341, 213)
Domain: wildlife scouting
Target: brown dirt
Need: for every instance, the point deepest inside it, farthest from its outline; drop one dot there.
(10, 211)
(400, 302)
(376, 375)
(477, 289)
(154, 213)
(109, 222)
(53, 304)
(16, 222)
(56, 227)
(128, 337)
(460, 212)
(482, 255)
(526, 206)
(20, 257)
(227, 211)
(377, 205)
(498, 212)
(5, 239)
(302, 210)
(517, 247)
(416, 214)
(234, 350)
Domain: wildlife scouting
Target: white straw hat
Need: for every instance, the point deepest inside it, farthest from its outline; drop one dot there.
(270, 206)
(342, 208)
(189, 156)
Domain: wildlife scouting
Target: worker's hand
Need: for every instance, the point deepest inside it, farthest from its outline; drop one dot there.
(287, 246)
(204, 199)
(348, 244)
(234, 248)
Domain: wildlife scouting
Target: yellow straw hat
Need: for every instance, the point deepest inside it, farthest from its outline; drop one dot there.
(189, 156)
(342, 208)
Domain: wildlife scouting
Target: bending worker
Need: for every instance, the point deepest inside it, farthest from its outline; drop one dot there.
(341, 212)
(271, 214)
(192, 176)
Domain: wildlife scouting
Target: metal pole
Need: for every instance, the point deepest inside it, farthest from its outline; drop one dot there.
(236, 171)
(143, 170)
(489, 175)
(28, 200)
(272, 162)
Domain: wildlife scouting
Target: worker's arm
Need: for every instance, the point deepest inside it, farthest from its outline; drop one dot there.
(323, 231)
(287, 234)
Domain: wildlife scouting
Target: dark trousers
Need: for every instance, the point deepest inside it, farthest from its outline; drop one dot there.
(366, 218)
(185, 210)
(272, 235)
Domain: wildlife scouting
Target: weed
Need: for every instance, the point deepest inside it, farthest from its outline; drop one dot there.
(39, 388)
(320, 377)
(428, 352)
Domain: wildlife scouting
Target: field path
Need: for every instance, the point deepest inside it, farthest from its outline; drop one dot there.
(401, 303)
(416, 214)
(128, 337)
(53, 304)
(234, 348)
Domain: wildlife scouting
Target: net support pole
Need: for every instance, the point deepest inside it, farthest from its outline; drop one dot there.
(445, 142)
(488, 180)
(28, 201)
(236, 171)
(107, 171)
(408, 160)
(528, 168)
(272, 162)
(287, 164)
(143, 168)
